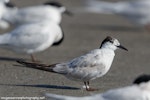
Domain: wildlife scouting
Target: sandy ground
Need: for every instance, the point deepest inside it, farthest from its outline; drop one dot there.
(83, 32)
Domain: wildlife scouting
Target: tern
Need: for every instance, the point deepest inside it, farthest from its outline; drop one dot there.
(85, 68)
(138, 91)
(32, 38)
(51, 11)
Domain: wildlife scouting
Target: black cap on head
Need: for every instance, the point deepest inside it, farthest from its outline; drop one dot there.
(10, 5)
(141, 79)
(108, 38)
(53, 3)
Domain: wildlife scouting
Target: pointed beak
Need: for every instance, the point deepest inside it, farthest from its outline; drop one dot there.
(121, 47)
(67, 12)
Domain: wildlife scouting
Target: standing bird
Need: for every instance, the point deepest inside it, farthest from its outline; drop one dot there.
(51, 11)
(32, 38)
(85, 68)
(138, 91)
(135, 11)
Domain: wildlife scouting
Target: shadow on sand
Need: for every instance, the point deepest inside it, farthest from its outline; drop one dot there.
(43, 86)
(11, 59)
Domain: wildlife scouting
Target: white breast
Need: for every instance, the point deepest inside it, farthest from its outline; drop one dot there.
(90, 66)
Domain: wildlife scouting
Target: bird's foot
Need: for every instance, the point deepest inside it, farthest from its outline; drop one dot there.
(36, 61)
(92, 89)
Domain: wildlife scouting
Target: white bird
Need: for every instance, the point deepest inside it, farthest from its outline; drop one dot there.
(51, 11)
(5, 5)
(140, 91)
(85, 68)
(135, 11)
(32, 38)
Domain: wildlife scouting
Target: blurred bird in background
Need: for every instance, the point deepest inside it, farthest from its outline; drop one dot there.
(135, 11)
(140, 90)
(51, 11)
(32, 38)
(36, 27)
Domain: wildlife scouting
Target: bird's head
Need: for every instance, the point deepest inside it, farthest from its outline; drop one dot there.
(111, 43)
(142, 79)
(59, 6)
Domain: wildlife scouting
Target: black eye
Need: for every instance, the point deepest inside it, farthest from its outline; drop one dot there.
(111, 41)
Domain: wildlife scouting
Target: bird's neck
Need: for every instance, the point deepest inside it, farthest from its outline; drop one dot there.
(108, 52)
(107, 48)
(145, 86)
(107, 58)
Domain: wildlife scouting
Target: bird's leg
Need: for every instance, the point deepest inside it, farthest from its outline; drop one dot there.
(88, 87)
(33, 59)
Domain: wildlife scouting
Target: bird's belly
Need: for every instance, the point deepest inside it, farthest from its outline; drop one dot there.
(86, 74)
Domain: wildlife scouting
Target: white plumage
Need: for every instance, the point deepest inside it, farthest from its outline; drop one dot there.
(51, 11)
(33, 14)
(87, 67)
(31, 38)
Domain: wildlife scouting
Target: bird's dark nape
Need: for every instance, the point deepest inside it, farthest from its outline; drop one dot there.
(53, 3)
(142, 79)
(108, 38)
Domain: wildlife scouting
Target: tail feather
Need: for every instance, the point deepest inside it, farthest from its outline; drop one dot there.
(44, 67)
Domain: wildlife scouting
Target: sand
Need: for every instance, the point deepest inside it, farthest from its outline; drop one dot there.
(83, 32)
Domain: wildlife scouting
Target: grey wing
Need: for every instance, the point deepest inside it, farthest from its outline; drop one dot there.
(82, 63)
(88, 60)
(81, 67)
